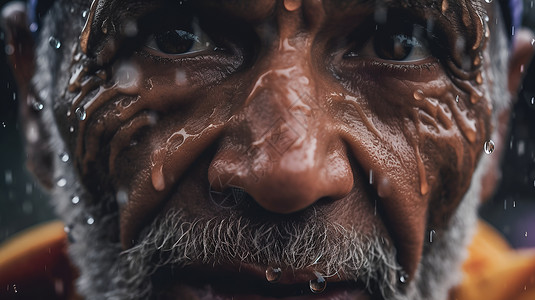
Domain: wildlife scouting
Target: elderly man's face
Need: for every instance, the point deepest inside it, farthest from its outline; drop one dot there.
(274, 148)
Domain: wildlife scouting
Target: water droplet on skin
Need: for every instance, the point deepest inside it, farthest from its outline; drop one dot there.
(71, 129)
(318, 285)
(273, 275)
(54, 43)
(489, 147)
(445, 5)
(488, 1)
(37, 106)
(61, 182)
(419, 95)
(526, 234)
(457, 98)
(432, 234)
(80, 113)
(371, 176)
(479, 78)
(514, 204)
(532, 100)
(75, 200)
(64, 156)
(90, 221)
(292, 5)
(84, 14)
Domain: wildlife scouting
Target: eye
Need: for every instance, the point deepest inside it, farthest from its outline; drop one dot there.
(396, 43)
(180, 41)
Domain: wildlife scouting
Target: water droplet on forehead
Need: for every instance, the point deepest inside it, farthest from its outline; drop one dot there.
(318, 285)
(64, 156)
(292, 5)
(80, 113)
(273, 274)
(54, 43)
(489, 147)
(75, 200)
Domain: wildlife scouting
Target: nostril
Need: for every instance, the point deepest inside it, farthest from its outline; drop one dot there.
(230, 197)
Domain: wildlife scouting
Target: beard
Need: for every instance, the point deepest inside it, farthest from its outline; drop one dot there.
(175, 240)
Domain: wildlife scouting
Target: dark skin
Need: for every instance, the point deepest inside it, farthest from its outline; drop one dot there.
(301, 108)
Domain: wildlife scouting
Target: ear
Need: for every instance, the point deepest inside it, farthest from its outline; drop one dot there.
(522, 52)
(20, 52)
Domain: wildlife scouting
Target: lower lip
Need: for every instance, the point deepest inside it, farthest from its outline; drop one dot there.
(182, 291)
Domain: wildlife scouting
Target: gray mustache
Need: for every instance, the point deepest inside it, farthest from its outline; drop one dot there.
(329, 249)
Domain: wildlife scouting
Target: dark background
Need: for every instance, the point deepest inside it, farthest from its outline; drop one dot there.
(512, 210)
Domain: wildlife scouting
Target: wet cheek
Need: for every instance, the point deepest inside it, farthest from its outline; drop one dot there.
(126, 119)
(435, 126)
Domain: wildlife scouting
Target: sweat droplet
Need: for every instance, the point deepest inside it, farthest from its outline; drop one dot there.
(273, 275)
(318, 285)
(80, 113)
(64, 156)
(54, 43)
(489, 147)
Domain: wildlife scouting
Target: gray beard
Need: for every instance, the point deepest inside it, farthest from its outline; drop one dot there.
(108, 272)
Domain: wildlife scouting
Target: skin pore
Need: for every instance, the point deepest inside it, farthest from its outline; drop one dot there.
(214, 142)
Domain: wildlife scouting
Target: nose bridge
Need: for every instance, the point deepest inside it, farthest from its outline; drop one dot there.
(287, 164)
(284, 90)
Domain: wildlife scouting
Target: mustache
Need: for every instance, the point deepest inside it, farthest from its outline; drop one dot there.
(175, 240)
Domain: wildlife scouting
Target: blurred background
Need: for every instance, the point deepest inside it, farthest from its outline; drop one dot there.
(511, 211)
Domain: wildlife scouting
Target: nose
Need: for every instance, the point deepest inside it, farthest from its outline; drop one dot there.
(282, 147)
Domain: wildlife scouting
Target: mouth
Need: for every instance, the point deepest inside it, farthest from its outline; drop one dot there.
(251, 282)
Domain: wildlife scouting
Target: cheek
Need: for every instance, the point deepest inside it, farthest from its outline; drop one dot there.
(131, 118)
(432, 126)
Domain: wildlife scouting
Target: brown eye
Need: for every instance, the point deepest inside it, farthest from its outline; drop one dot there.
(395, 47)
(181, 41)
(397, 44)
(175, 41)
